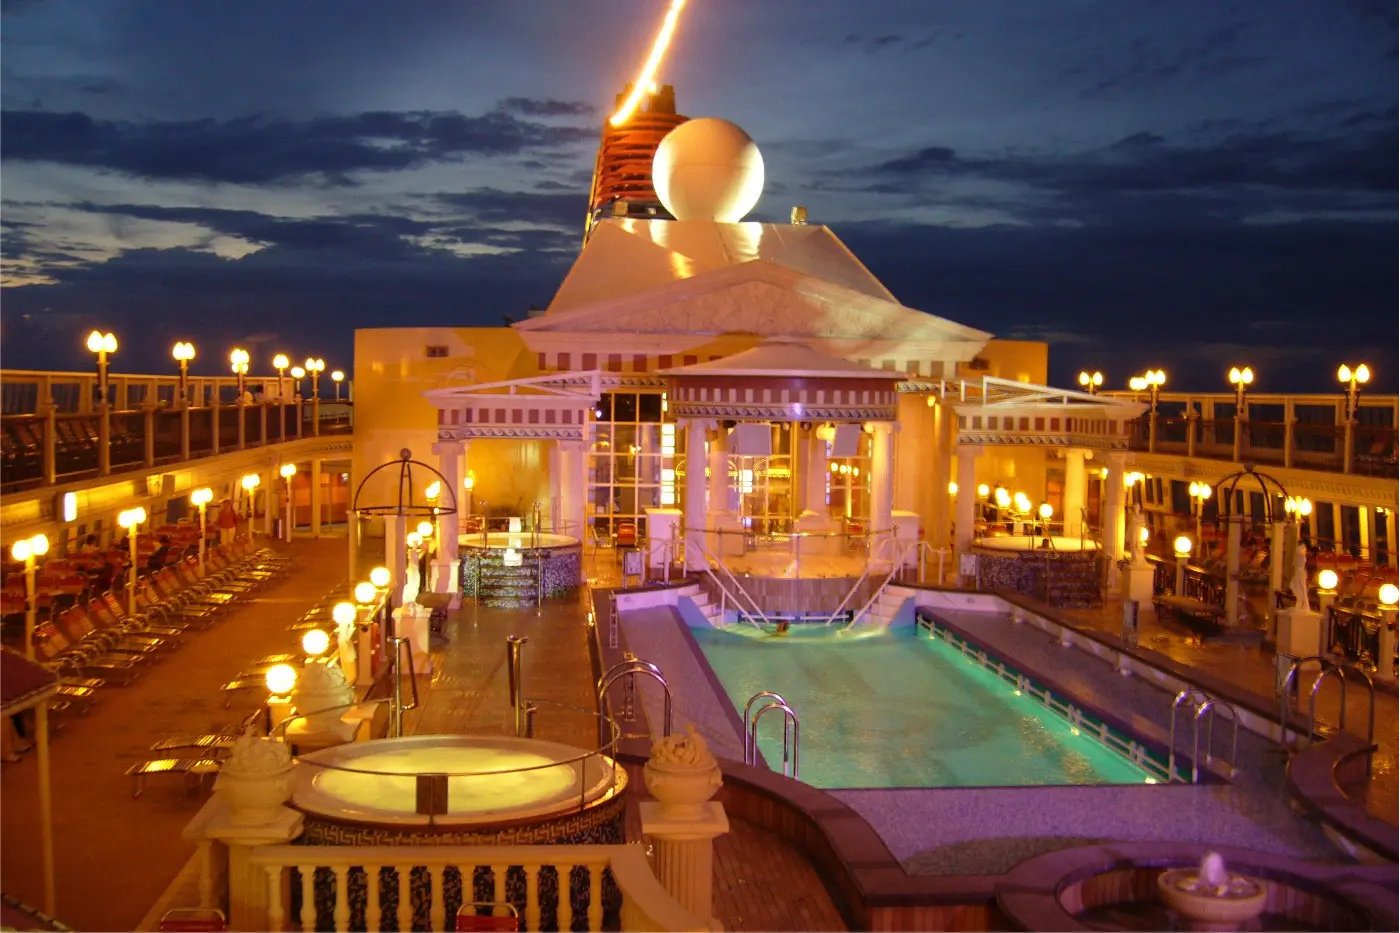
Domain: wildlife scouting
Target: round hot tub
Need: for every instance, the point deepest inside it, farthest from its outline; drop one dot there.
(505, 568)
(1060, 571)
(459, 790)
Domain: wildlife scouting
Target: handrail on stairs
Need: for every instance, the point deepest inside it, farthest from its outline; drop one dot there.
(865, 574)
(753, 608)
(879, 591)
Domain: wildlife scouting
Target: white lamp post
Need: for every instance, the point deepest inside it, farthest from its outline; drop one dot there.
(287, 471)
(201, 498)
(103, 345)
(314, 368)
(280, 363)
(1200, 492)
(1388, 597)
(238, 361)
(1241, 379)
(1091, 381)
(337, 377)
(250, 482)
(131, 520)
(27, 551)
(183, 352)
(1182, 546)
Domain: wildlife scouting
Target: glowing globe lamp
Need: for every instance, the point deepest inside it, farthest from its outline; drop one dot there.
(1327, 579)
(1182, 545)
(1389, 595)
(365, 592)
(379, 576)
(280, 679)
(343, 613)
(315, 642)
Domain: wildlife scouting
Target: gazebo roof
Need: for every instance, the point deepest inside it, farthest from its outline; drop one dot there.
(783, 359)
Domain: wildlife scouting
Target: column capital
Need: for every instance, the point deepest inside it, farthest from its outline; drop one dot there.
(972, 449)
(447, 448)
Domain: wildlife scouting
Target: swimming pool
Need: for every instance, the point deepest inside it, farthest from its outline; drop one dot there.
(896, 708)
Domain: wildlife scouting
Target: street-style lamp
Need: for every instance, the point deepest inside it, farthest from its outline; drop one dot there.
(183, 353)
(250, 482)
(1182, 547)
(1091, 381)
(103, 345)
(239, 360)
(337, 377)
(1241, 379)
(27, 552)
(131, 520)
(1200, 492)
(287, 471)
(1353, 379)
(314, 368)
(297, 374)
(280, 363)
(201, 498)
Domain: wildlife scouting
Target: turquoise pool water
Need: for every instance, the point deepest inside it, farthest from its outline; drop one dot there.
(895, 708)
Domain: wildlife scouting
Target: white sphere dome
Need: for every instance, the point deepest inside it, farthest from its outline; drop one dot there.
(708, 169)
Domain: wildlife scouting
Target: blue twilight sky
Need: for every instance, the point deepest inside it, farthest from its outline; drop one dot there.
(1187, 185)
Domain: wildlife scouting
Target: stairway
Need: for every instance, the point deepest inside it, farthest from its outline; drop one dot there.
(500, 585)
(699, 596)
(887, 606)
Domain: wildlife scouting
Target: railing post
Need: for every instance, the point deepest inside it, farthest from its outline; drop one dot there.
(148, 416)
(249, 891)
(1192, 418)
(315, 416)
(184, 430)
(683, 839)
(242, 423)
(49, 452)
(1348, 445)
(299, 412)
(262, 423)
(214, 422)
(104, 437)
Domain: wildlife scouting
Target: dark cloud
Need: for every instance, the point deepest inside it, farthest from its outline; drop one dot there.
(548, 108)
(490, 205)
(269, 149)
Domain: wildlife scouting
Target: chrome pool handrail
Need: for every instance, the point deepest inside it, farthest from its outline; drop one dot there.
(748, 707)
(1190, 694)
(1285, 696)
(631, 667)
(1209, 707)
(789, 719)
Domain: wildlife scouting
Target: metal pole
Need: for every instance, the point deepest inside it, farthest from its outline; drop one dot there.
(134, 540)
(41, 725)
(514, 644)
(203, 535)
(31, 608)
(396, 713)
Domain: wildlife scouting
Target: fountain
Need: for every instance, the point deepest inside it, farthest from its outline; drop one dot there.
(1210, 898)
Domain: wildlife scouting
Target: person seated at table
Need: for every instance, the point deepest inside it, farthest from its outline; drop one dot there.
(90, 545)
(159, 556)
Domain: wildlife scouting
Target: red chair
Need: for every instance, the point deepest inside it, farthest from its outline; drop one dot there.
(470, 921)
(626, 535)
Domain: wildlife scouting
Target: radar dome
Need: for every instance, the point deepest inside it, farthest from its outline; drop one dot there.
(708, 169)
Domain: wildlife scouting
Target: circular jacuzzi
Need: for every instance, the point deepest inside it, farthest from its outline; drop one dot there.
(459, 790)
(506, 568)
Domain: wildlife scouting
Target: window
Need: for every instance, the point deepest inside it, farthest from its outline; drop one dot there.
(435, 351)
(633, 465)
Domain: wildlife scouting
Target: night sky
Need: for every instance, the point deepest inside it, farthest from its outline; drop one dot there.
(1184, 185)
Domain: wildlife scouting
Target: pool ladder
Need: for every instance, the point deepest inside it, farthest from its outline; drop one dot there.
(1205, 708)
(1327, 667)
(630, 666)
(790, 730)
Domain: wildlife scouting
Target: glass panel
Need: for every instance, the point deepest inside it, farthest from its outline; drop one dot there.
(650, 408)
(624, 406)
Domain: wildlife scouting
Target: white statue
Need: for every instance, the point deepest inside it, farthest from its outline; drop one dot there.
(1135, 529)
(1298, 583)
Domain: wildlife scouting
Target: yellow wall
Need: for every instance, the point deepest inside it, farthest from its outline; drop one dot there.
(392, 371)
(1018, 360)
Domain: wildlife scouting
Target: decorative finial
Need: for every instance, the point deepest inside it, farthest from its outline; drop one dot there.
(405, 454)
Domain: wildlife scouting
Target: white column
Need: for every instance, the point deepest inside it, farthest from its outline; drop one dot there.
(352, 527)
(396, 555)
(464, 495)
(247, 884)
(1389, 538)
(963, 516)
(694, 502)
(685, 853)
(556, 488)
(1073, 502)
(719, 485)
(272, 491)
(882, 478)
(573, 489)
(315, 497)
(444, 569)
(1112, 509)
(816, 475)
(1366, 527)
(1278, 548)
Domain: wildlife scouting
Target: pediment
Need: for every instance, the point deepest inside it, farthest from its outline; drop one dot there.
(761, 299)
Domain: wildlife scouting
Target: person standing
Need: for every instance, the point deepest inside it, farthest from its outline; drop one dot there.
(228, 522)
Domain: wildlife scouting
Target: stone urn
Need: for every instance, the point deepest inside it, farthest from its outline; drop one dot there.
(1210, 898)
(256, 779)
(321, 696)
(682, 775)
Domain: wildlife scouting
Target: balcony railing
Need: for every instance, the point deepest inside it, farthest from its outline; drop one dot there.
(1309, 432)
(57, 427)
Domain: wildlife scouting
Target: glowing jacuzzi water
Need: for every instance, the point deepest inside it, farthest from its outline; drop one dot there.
(493, 782)
(505, 568)
(1056, 543)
